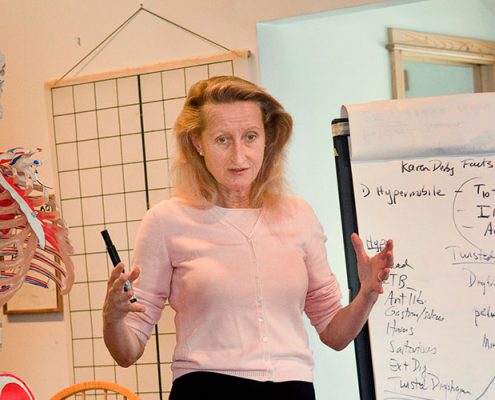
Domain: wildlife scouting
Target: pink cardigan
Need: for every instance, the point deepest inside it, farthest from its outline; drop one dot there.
(239, 281)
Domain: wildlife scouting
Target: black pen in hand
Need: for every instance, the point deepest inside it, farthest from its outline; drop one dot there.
(114, 256)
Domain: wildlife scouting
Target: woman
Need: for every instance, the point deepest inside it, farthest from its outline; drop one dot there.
(237, 259)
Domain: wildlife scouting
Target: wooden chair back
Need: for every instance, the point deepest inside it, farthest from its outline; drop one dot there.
(95, 390)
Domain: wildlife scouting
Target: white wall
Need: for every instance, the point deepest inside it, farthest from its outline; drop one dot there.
(315, 64)
(44, 39)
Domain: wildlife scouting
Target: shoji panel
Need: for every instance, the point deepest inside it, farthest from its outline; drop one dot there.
(114, 148)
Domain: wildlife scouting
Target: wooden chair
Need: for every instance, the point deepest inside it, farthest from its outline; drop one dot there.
(95, 390)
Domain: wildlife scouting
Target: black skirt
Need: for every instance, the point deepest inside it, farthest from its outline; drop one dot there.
(214, 386)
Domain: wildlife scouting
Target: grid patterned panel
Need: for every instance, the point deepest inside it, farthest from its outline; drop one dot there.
(114, 147)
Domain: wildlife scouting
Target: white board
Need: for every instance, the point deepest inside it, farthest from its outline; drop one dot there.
(432, 333)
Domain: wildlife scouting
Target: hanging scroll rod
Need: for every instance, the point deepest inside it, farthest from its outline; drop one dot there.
(121, 27)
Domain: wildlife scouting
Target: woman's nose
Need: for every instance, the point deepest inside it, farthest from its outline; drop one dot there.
(238, 152)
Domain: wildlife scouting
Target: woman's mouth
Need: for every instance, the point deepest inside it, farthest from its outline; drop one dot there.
(237, 170)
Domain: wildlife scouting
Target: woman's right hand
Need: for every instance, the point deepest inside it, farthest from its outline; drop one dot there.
(117, 304)
(121, 341)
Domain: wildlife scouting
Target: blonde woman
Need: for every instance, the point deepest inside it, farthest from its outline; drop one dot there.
(237, 258)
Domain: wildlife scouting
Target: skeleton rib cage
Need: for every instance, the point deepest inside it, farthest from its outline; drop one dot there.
(22, 259)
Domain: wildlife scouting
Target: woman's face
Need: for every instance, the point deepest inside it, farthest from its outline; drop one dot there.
(233, 146)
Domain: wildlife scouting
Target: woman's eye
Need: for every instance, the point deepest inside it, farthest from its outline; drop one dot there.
(251, 137)
(221, 140)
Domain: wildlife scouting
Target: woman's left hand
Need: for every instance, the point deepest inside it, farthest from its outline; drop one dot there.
(374, 270)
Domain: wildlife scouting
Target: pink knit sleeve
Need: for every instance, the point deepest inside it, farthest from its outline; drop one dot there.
(323, 299)
(152, 288)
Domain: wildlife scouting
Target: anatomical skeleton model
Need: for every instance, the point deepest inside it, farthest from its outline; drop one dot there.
(33, 237)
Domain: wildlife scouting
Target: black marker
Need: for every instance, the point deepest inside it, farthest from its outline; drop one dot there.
(114, 256)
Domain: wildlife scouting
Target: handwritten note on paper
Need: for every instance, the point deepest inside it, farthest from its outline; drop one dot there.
(432, 332)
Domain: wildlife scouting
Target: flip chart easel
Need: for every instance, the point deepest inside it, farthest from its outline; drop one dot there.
(423, 174)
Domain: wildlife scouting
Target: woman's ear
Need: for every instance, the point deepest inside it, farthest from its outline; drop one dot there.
(196, 143)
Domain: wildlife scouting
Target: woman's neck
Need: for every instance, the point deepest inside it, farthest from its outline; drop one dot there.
(234, 200)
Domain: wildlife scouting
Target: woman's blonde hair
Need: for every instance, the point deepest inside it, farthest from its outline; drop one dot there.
(193, 181)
